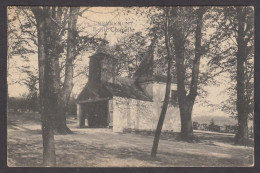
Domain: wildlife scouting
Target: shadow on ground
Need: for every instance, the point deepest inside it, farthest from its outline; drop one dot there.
(103, 148)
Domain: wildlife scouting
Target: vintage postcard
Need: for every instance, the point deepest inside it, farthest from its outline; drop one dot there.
(130, 86)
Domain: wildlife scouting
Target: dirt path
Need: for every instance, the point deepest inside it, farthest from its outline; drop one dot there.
(103, 148)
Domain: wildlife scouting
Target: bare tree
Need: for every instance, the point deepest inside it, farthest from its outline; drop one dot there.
(168, 86)
(65, 91)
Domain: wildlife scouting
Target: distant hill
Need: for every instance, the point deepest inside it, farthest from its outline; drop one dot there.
(218, 120)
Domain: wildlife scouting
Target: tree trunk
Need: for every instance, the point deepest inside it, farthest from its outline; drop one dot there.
(41, 55)
(49, 157)
(185, 107)
(60, 124)
(241, 137)
(185, 101)
(186, 123)
(64, 97)
(80, 117)
(167, 90)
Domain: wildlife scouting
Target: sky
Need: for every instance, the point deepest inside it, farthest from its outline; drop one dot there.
(116, 23)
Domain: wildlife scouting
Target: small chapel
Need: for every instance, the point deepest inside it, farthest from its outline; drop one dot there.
(123, 104)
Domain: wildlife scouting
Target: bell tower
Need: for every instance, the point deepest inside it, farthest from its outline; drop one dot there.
(102, 65)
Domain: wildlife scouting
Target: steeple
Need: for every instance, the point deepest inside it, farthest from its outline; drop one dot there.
(145, 71)
(104, 46)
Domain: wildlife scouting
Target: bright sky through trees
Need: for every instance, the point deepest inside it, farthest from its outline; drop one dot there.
(116, 22)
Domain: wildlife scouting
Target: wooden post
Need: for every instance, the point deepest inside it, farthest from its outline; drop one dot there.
(110, 113)
(80, 117)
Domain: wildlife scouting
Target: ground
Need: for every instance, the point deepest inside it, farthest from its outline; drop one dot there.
(103, 148)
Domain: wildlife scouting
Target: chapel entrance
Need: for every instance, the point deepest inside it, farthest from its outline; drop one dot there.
(97, 114)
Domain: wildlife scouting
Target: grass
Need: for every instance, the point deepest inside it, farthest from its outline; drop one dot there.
(103, 148)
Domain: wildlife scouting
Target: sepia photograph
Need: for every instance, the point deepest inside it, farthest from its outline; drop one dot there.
(158, 86)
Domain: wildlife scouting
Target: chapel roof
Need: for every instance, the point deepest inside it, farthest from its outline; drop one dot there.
(125, 87)
(122, 87)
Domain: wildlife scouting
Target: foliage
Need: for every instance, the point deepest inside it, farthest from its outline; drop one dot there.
(32, 97)
(22, 40)
(223, 55)
(130, 51)
(23, 104)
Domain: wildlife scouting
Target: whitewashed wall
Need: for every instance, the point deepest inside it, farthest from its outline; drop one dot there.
(142, 115)
(172, 118)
